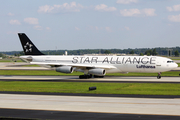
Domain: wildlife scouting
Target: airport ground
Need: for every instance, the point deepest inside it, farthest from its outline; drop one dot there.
(106, 79)
(87, 107)
(29, 105)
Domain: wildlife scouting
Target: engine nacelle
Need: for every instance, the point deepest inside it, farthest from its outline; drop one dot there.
(64, 69)
(99, 72)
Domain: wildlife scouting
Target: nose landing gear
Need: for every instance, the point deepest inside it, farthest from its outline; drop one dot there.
(159, 75)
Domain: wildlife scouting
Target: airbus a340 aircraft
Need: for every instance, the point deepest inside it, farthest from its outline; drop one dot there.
(96, 66)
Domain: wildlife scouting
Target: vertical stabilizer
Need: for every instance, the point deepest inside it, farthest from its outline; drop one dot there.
(28, 47)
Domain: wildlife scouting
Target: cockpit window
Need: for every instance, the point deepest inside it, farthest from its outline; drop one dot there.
(170, 61)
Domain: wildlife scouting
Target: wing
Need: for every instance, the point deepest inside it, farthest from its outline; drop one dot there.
(81, 66)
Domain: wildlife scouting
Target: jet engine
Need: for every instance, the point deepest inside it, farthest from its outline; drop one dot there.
(64, 69)
(98, 72)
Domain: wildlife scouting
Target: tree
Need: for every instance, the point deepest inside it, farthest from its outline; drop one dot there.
(107, 52)
(21, 53)
(132, 52)
(148, 52)
(154, 52)
(176, 53)
(1, 55)
(141, 54)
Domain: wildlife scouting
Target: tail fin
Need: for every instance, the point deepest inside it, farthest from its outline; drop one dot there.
(28, 47)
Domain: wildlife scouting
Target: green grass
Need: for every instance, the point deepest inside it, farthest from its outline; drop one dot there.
(31, 66)
(174, 58)
(54, 73)
(102, 88)
(178, 64)
(11, 60)
(35, 72)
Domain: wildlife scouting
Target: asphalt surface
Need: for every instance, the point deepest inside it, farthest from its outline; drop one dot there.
(64, 115)
(87, 107)
(106, 79)
(93, 95)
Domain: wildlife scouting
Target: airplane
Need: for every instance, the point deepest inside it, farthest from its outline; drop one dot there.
(95, 66)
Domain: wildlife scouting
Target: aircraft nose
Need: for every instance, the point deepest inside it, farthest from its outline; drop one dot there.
(176, 65)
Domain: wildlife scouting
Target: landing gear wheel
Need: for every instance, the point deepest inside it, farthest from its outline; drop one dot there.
(90, 76)
(80, 77)
(158, 77)
(96, 76)
(85, 76)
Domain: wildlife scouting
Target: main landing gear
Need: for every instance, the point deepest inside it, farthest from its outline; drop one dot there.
(85, 76)
(159, 75)
(89, 76)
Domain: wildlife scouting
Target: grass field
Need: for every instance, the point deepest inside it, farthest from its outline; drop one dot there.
(82, 87)
(31, 66)
(54, 73)
(178, 64)
(11, 60)
(102, 88)
(174, 58)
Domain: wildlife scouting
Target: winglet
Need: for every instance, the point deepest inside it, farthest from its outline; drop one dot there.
(28, 47)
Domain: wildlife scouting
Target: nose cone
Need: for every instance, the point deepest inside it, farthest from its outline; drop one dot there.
(173, 66)
(176, 65)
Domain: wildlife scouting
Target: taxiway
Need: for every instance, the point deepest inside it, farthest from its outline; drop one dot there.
(105, 79)
(79, 104)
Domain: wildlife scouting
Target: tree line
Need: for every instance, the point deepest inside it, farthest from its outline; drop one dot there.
(137, 51)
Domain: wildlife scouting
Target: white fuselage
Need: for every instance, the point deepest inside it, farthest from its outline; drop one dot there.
(112, 64)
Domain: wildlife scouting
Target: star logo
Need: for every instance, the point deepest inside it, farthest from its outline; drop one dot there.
(27, 47)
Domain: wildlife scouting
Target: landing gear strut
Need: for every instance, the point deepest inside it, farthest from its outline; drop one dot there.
(159, 75)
